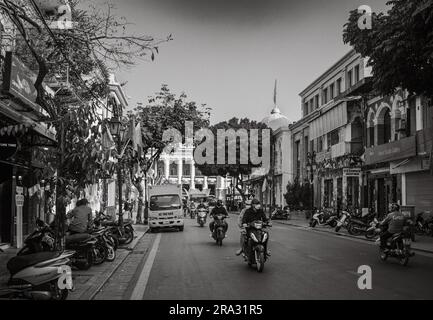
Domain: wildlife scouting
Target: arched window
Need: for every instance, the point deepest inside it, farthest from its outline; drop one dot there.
(370, 130)
(387, 126)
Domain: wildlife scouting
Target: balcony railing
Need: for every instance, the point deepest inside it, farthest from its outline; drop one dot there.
(343, 148)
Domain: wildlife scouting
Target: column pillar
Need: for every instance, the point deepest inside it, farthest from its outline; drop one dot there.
(403, 190)
(192, 184)
(179, 170)
(205, 185)
(166, 168)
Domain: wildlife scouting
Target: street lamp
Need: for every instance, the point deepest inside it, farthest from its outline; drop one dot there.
(312, 165)
(115, 127)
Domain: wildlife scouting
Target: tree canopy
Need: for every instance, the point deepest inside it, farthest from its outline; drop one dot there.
(399, 46)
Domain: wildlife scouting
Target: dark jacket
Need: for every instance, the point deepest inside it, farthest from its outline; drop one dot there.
(81, 219)
(395, 221)
(219, 210)
(252, 215)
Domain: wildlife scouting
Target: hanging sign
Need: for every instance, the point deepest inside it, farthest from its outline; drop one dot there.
(8, 147)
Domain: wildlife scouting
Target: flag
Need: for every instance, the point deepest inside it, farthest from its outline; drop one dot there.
(137, 141)
(265, 185)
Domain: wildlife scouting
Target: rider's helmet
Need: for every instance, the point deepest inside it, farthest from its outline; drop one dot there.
(393, 207)
(219, 203)
(256, 204)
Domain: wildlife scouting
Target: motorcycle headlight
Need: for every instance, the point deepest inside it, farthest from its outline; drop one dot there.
(253, 236)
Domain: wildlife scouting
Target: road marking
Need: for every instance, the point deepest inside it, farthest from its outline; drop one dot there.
(141, 285)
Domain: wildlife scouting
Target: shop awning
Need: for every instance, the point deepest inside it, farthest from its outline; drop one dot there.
(329, 121)
(24, 123)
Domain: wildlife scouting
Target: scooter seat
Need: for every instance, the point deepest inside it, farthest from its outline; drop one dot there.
(79, 237)
(108, 223)
(19, 263)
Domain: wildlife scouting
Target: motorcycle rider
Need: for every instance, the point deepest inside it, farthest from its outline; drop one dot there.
(255, 213)
(241, 229)
(395, 222)
(81, 218)
(218, 210)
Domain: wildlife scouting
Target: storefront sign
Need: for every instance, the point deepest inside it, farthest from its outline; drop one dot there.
(352, 172)
(397, 150)
(8, 147)
(19, 82)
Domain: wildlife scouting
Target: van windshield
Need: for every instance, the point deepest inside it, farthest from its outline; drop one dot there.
(165, 202)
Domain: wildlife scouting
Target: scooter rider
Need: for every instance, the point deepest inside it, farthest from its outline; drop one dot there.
(218, 210)
(395, 222)
(255, 213)
(241, 228)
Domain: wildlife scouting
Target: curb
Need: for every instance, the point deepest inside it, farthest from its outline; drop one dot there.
(110, 274)
(344, 235)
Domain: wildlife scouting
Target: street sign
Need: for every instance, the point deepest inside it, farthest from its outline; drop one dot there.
(19, 200)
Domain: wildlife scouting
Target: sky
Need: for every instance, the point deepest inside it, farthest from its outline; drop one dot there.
(227, 54)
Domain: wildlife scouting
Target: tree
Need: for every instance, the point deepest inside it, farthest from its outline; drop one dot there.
(399, 46)
(238, 170)
(79, 61)
(164, 111)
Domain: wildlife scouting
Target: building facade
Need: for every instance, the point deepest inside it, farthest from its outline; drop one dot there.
(398, 153)
(328, 140)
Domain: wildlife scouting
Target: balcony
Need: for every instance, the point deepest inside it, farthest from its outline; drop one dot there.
(343, 148)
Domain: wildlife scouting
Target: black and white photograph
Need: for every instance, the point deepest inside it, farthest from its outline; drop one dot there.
(217, 155)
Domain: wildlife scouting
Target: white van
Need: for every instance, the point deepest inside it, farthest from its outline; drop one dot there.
(165, 207)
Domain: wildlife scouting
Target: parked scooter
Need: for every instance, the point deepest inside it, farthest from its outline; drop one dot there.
(102, 235)
(124, 235)
(374, 230)
(88, 250)
(219, 229)
(399, 247)
(360, 225)
(40, 240)
(37, 276)
(202, 216)
(344, 221)
(279, 214)
(423, 226)
(322, 219)
(255, 251)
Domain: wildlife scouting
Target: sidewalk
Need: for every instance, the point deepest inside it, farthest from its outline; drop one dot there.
(423, 243)
(87, 283)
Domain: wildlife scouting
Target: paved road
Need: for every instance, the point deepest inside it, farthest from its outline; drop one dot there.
(304, 265)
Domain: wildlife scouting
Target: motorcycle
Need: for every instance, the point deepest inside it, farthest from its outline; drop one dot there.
(124, 235)
(104, 239)
(279, 214)
(201, 216)
(322, 219)
(40, 240)
(255, 251)
(37, 276)
(399, 247)
(423, 226)
(89, 251)
(343, 221)
(219, 229)
(359, 226)
(374, 230)
(192, 211)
